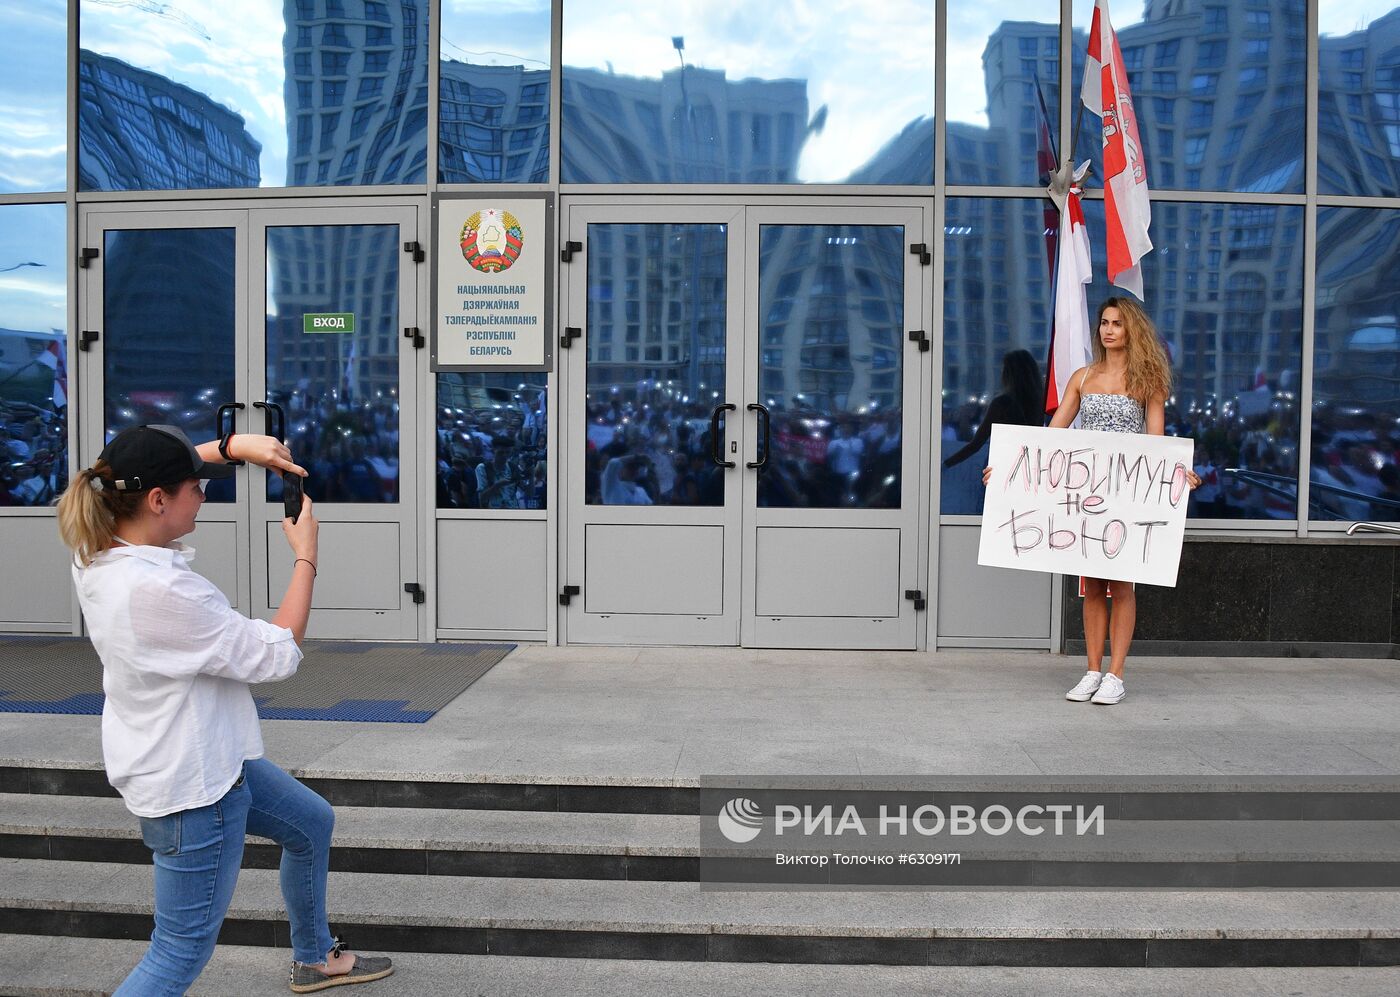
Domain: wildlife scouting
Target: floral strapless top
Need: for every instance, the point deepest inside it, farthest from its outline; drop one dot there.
(1111, 413)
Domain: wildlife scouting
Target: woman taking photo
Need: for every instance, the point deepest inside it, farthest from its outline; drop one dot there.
(1124, 390)
(180, 737)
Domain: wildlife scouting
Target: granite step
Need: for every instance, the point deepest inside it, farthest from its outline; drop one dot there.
(687, 922)
(1241, 854)
(43, 966)
(1303, 797)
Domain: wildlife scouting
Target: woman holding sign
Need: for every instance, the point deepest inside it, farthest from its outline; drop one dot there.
(1124, 390)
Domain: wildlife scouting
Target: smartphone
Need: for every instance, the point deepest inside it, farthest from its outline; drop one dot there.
(291, 495)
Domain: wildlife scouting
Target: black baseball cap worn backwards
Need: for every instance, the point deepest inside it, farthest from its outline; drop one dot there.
(146, 457)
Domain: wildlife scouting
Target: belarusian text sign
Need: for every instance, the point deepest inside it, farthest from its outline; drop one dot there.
(492, 299)
(1079, 502)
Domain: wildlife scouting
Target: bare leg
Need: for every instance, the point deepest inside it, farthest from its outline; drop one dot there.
(1096, 621)
(1124, 620)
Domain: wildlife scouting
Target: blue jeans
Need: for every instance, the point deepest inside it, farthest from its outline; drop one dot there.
(197, 854)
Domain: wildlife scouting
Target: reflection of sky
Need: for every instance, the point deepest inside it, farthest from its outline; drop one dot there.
(496, 32)
(970, 24)
(872, 64)
(33, 298)
(1341, 17)
(231, 52)
(33, 84)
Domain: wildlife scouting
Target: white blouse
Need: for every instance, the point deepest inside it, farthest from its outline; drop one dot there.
(176, 662)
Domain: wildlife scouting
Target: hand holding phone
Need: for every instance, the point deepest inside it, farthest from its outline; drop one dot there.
(291, 495)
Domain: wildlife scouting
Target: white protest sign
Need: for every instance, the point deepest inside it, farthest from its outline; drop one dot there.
(1082, 502)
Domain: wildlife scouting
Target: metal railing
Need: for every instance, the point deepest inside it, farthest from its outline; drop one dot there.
(1372, 528)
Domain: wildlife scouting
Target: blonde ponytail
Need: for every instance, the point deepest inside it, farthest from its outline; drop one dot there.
(87, 513)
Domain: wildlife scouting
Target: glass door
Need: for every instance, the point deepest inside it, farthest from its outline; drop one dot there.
(653, 453)
(833, 390)
(286, 321)
(164, 306)
(333, 375)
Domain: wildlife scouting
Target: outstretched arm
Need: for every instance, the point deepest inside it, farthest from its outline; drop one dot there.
(997, 411)
(265, 451)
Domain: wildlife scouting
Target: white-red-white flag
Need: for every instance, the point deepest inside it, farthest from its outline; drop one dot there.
(1071, 346)
(52, 358)
(1129, 207)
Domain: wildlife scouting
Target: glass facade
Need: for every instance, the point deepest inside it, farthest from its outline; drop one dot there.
(494, 92)
(1219, 89)
(33, 354)
(1224, 287)
(1003, 91)
(492, 441)
(831, 365)
(330, 93)
(1356, 366)
(151, 374)
(33, 91)
(262, 93)
(338, 391)
(723, 92)
(657, 349)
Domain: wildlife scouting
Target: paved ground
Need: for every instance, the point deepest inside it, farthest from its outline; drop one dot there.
(98, 966)
(667, 716)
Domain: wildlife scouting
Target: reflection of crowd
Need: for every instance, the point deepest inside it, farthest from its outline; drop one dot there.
(349, 447)
(834, 460)
(33, 454)
(649, 444)
(493, 456)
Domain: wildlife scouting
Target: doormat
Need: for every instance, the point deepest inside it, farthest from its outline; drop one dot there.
(359, 681)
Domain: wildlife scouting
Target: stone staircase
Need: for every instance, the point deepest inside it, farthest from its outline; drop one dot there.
(1259, 876)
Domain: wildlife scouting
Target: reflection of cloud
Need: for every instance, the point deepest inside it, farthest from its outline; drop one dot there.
(232, 54)
(871, 64)
(1341, 17)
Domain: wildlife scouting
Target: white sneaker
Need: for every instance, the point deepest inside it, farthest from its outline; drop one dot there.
(1087, 686)
(1110, 692)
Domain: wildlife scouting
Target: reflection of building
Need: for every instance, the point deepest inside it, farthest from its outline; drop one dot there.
(356, 92)
(168, 341)
(1358, 113)
(493, 124)
(831, 303)
(334, 268)
(690, 126)
(656, 304)
(1357, 345)
(141, 131)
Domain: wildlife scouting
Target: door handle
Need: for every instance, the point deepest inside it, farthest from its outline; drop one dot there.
(716, 441)
(767, 421)
(230, 409)
(274, 420)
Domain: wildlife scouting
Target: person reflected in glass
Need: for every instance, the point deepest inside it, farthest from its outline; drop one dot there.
(1124, 390)
(1021, 402)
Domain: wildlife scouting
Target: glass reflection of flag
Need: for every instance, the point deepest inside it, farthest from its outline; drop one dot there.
(1047, 161)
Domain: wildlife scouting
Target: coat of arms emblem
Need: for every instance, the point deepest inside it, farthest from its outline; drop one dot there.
(491, 240)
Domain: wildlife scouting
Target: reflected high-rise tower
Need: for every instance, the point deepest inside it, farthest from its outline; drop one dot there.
(141, 131)
(356, 92)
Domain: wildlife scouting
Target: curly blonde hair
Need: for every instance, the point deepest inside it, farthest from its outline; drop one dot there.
(1149, 373)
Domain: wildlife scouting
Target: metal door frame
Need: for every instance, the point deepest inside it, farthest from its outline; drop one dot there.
(90, 365)
(847, 632)
(412, 374)
(578, 626)
(243, 215)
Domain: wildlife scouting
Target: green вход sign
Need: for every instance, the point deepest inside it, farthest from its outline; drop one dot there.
(328, 322)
